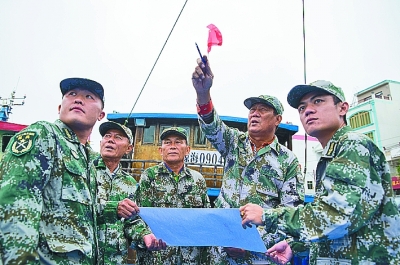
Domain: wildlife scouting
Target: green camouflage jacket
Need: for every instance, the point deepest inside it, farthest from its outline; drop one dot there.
(270, 178)
(47, 186)
(158, 188)
(353, 219)
(114, 233)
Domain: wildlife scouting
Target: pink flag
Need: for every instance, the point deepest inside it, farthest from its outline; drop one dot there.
(214, 37)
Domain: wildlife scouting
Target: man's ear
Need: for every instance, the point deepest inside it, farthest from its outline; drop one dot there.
(129, 149)
(160, 150)
(344, 108)
(59, 108)
(278, 119)
(101, 116)
(187, 150)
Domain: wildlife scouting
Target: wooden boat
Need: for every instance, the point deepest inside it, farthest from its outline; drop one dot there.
(146, 129)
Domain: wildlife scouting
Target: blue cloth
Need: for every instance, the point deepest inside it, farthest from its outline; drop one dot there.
(201, 227)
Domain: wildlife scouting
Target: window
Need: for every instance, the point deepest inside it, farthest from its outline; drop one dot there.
(360, 119)
(148, 134)
(5, 140)
(140, 122)
(163, 127)
(310, 185)
(370, 135)
(187, 128)
(366, 99)
(199, 136)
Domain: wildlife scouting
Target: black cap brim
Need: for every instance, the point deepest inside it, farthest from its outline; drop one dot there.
(82, 83)
(106, 126)
(298, 92)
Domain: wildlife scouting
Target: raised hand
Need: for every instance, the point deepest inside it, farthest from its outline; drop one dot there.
(202, 79)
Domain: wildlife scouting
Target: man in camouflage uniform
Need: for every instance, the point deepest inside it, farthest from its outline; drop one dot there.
(172, 185)
(353, 219)
(116, 194)
(47, 186)
(258, 169)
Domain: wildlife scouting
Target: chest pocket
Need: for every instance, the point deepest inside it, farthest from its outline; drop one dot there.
(75, 185)
(265, 198)
(267, 187)
(193, 201)
(162, 197)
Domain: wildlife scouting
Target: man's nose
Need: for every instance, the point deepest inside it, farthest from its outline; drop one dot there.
(111, 139)
(79, 99)
(256, 113)
(309, 110)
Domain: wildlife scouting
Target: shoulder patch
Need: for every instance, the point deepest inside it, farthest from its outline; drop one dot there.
(331, 149)
(23, 143)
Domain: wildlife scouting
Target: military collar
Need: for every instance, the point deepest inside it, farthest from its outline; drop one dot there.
(67, 132)
(274, 145)
(163, 168)
(331, 146)
(99, 163)
(170, 170)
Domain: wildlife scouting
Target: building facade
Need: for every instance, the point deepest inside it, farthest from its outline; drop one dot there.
(375, 111)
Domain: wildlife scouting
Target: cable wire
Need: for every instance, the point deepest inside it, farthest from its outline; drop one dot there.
(154, 65)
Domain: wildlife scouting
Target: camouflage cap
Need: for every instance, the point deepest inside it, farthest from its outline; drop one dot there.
(174, 130)
(108, 125)
(83, 83)
(297, 92)
(265, 99)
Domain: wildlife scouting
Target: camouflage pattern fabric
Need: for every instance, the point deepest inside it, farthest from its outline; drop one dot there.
(114, 233)
(270, 178)
(47, 191)
(354, 219)
(158, 188)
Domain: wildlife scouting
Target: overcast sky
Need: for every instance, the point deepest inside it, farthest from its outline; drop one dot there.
(355, 44)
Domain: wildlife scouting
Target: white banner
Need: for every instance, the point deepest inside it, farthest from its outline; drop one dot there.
(204, 157)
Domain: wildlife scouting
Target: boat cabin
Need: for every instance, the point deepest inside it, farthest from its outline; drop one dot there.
(147, 127)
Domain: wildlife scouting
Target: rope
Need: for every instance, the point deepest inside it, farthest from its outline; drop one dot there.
(165, 43)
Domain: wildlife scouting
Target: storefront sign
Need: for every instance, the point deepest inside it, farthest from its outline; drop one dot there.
(396, 182)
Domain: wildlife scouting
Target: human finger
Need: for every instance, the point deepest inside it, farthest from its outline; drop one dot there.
(199, 73)
(153, 245)
(162, 244)
(127, 208)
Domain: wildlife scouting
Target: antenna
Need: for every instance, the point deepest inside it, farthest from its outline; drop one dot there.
(355, 100)
(7, 104)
